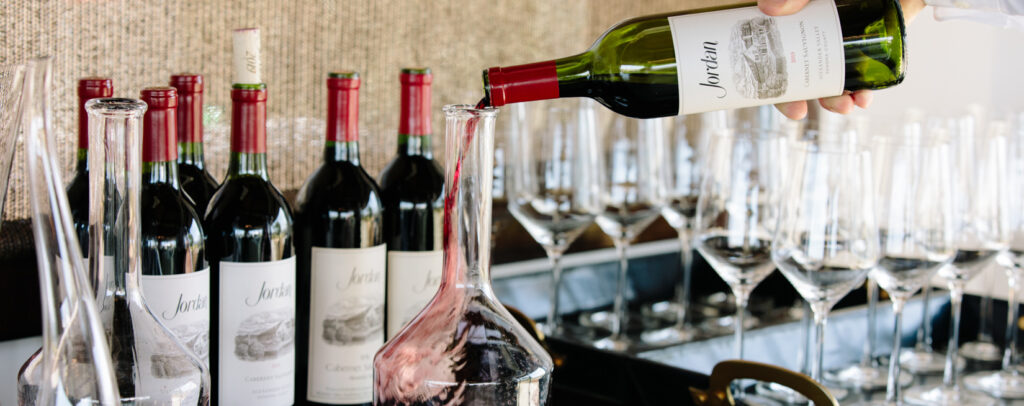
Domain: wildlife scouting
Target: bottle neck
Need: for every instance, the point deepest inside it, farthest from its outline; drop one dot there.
(539, 81)
(82, 161)
(191, 153)
(248, 132)
(165, 172)
(341, 151)
(414, 145)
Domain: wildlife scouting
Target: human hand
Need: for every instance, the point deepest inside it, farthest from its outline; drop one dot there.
(844, 103)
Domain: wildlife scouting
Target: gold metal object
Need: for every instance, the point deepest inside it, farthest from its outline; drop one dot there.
(725, 372)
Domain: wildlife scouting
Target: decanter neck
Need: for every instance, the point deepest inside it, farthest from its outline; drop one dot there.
(469, 169)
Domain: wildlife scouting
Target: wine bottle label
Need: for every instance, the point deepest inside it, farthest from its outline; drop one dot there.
(741, 57)
(346, 325)
(182, 303)
(257, 333)
(413, 279)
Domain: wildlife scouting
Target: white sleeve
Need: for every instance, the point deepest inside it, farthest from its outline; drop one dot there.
(1001, 13)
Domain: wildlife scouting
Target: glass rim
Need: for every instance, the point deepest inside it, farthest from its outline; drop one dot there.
(116, 106)
(458, 109)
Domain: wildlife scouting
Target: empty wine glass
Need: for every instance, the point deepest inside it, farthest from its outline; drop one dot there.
(1008, 383)
(979, 236)
(633, 192)
(552, 185)
(687, 142)
(914, 209)
(827, 238)
(737, 213)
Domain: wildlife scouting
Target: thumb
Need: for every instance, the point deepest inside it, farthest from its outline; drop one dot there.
(780, 7)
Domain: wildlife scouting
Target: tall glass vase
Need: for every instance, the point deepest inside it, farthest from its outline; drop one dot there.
(153, 367)
(464, 348)
(74, 365)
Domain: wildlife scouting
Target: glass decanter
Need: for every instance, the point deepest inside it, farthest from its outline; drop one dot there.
(464, 348)
(73, 367)
(152, 366)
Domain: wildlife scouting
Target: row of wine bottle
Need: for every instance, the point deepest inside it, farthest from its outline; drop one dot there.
(283, 304)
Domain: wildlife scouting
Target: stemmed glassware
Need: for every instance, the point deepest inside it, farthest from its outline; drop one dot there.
(687, 139)
(980, 234)
(1008, 383)
(631, 177)
(914, 209)
(737, 213)
(827, 238)
(552, 185)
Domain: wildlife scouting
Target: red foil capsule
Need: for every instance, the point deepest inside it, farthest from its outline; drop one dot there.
(159, 125)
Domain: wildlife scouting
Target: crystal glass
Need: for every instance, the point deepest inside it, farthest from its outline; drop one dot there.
(983, 348)
(74, 365)
(631, 175)
(980, 234)
(552, 185)
(1008, 383)
(737, 212)
(827, 238)
(687, 139)
(153, 366)
(914, 208)
(464, 348)
(512, 124)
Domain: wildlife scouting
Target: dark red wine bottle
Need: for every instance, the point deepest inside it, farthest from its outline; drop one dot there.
(412, 189)
(341, 263)
(249, 246)
(175, 279)
(195, 180)
(78, 189)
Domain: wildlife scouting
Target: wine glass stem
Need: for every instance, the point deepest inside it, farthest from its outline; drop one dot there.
(741, 312)
(1012, 314)
(984, 335)
(803, 352)
(892, 387)
(554, 319)
(820, 319)
(950, 377)
(683, 290)
(621, 245)
(924, 338)
(869, 344)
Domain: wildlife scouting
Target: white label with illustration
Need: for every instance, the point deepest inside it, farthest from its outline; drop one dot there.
(182, 304)
(741, 57)
(257, 333)
(346, 325)
(413, 279)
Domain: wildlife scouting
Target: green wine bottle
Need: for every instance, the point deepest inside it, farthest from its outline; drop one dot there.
(692, 62)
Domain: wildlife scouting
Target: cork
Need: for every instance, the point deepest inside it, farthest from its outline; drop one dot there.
(246, 59)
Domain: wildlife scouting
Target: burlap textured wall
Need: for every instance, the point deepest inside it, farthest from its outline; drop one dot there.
(140, 44)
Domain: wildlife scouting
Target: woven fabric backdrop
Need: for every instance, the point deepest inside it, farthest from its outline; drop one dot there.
(141, 44)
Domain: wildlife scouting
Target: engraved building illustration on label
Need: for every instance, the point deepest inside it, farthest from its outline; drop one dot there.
(265, 336)
(168, 362)
(758, 59)
(353, 321)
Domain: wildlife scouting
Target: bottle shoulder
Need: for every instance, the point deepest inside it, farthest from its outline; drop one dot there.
(339, 185)
(168, 211)
(412, 177)
(246, 199)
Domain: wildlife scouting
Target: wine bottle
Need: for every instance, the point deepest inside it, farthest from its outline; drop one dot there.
(249, 245)
(175, 278)
(412, 189)
(195, 180)
(692, 62)
(78, 189)
(341, 263)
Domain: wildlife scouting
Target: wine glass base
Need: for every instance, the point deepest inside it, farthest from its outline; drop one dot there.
(787, 396)
(942, 396)
(668, 336)
(926, 362)
(864, 377)
(981, 351)
(617, 344)
(1000, 384)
